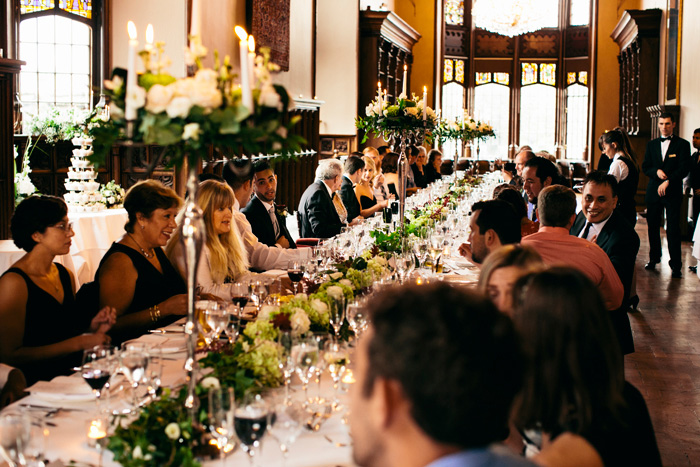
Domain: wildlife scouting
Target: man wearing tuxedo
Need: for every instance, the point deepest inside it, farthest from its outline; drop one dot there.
(268, 224)
(318, 215)
(599, 222)
(352, 173)
(538, 173)
(666, 164)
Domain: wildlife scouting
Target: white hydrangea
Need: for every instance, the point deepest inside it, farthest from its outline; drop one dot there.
(266, 311)
(172, 431)
(300, 322)
(210, 382)
(346, 282)
(320, 306)
(158, 98)
(335, 292)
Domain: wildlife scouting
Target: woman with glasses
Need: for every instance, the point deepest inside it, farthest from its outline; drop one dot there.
(42, 332)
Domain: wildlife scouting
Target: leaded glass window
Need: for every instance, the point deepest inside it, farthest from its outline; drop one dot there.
(452, 108)
(492, 101)
(576, 120)
(538, 106)
(454, 12)
(529, 73)
(31, 6)
(448, 73)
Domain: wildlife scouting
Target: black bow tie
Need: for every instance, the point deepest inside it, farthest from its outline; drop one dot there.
(668, 138)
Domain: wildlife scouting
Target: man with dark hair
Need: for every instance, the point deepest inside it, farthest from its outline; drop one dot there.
(666, 164)
(383, 150)
(435, 378)
(268, 223)
(352, 173)
(493, 223)
(601, 223)
(557, 210)
(238, 173)
(537, 174)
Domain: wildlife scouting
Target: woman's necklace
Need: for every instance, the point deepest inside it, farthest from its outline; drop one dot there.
(144, 252)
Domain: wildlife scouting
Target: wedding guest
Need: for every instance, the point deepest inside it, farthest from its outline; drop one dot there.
(412, 155)
(523, 155)
(12, 385)
(135, 276)
(511, 195)
(502, 269)
(365, 192)
(224, 258)
(418, 168)
(435, 378)
(390, 171)
(575, 384)
(557, 209)
(238, 174)
(666, 163)
(380, 191)
(268, 224)
(320, 208)
(537, 174)
(694, 177)
(43, 333)
(352, 173)
(493, 223)
(432, 169)
(625, 169)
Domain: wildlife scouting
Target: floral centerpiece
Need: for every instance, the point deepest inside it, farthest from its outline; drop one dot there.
(112, 195)
(386, 120)
(23, 184)
(466, 129)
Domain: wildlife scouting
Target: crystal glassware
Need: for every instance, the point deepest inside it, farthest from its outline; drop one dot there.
(250, 421)
(222, 405)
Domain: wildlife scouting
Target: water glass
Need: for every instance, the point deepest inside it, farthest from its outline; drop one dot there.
(222, 405)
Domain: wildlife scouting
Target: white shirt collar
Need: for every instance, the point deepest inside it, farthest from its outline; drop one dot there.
(596, 227)
(267, 205)
(330, 192)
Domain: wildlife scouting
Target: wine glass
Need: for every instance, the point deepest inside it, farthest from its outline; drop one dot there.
(216, 317)
(337, 314)
(133, 364)
(240, 295)
(258, 292)
(250, 423)
(232, 326)
(337, 358)
(305, 358)
(15, 429)
(357, 318)
(295, 271)
(98, 365)
(286, 362)
(222, 405)
(286, 424)
(155, 371)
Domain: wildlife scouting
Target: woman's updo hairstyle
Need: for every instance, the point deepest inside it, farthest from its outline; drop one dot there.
(35, 214)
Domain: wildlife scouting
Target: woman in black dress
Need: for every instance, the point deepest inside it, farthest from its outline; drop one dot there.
(575, 399)
(419, 169)
(364, 191)
(625, 169)
(432, 169)
(135, 276)
(42, 330)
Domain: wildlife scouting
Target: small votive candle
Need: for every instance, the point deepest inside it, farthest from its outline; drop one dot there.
(96, 432)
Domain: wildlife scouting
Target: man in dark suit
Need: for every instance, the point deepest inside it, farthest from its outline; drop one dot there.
(352, 173)
(666, 164)
(268, 224)
(538, 173)
(318, 216)
(694, 176)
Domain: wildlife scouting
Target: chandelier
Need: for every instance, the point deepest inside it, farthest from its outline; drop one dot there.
(508, 17)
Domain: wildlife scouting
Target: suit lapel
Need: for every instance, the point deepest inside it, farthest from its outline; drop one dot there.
(265, 219)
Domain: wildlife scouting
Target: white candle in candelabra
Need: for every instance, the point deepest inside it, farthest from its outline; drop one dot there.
(131, 79)
(246, 95)
(251, 61)
(149, 37)
(405, 79)
(425, 103)
(379, 94)
(196, 19)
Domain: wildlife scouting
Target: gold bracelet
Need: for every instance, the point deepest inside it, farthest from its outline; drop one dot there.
(154, 311)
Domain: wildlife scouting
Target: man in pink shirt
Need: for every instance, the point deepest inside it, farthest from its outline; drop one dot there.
(556, 206)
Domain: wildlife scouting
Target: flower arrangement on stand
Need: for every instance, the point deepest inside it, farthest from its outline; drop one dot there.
(23, 184)
(112, 195)
(466, 129)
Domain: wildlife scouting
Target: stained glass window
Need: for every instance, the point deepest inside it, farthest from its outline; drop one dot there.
(576, 120)
(571, 77)
(583, 78)
(459, 71)
(79, 7)
(30, 6)
(548, 73)
(579, 12)
(483, 78)
(454, 12)
(449, 71)
(529, 73)
(502, 78)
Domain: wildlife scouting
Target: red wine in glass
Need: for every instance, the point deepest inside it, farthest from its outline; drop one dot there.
(295, 275)
(240, 300)
(97, 379)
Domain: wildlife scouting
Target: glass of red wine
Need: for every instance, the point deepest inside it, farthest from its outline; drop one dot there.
(99, 363)
(250, 421)
(240, 295)
(295, 271)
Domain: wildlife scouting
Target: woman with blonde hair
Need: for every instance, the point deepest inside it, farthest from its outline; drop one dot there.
(501, 270)
(224, 259)
(364, 191)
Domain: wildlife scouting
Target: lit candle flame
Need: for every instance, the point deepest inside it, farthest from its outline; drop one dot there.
(149, 34)
(251, 44)
(241, 33)
(425, 88)
(131, 28)
(405, 68)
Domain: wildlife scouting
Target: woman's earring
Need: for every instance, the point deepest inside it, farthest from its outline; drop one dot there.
(143, 226)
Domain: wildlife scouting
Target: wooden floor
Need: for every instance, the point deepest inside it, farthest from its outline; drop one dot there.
(666, 364)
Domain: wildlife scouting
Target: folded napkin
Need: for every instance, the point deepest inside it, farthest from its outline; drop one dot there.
(62, 388)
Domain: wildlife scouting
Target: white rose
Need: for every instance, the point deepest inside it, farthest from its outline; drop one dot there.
(210, 382)
(412, 111)
(179, 107)
(335, 292)
(26, 187)
(191, 131)
(402, 95)
(301, 295)
(472, 125)
(208, 76)
(135, 97)
(454, 126)
(269, 97)
(183, 87)
(116, 83)
(206, 96)
(158, 98)
(335, 275)
(137, 453)
(111, 200)
(379, 260)
(300, 322)
(346, 282)
(172, 431)
(369, 110)
(320, 306)
(266, 311)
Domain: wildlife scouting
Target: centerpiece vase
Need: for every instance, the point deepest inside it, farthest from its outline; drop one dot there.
(402, 172)
(192, 235)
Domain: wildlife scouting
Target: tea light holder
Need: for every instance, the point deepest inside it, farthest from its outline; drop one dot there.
(96, 433)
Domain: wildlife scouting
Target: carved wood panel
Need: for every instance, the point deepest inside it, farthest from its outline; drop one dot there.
(576, 42)
(540, 44)
(456, 42)
(489, 44)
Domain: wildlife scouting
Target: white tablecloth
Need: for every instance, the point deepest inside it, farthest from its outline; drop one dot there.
(94, 234)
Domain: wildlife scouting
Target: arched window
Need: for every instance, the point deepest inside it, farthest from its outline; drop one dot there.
(520, 84)
(61, 42)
